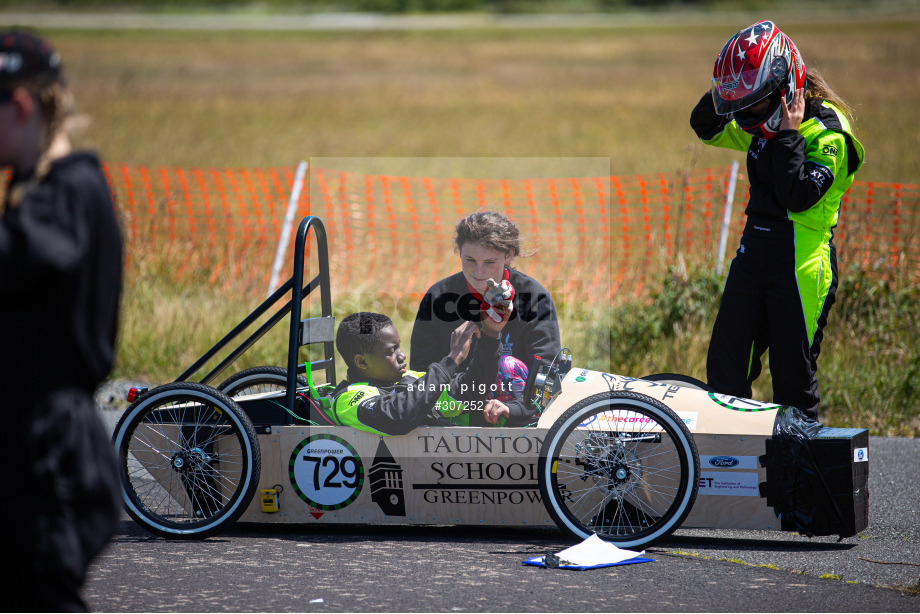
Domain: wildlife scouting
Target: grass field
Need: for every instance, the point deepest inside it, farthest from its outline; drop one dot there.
(245, 99)
(274, 98)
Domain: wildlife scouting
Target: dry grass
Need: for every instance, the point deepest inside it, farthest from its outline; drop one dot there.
(267, 99)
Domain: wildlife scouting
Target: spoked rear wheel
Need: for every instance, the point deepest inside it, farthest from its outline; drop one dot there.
(622, 465)
(189, 460)
(258, 380)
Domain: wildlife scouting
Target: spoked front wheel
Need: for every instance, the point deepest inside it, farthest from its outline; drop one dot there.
(622, 465)
(189, 460)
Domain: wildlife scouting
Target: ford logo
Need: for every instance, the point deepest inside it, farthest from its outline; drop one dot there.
(724, 461)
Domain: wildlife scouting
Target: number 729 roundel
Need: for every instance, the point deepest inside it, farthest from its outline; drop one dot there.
(326, 472)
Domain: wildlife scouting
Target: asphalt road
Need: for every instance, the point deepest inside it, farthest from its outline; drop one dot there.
(308, 568)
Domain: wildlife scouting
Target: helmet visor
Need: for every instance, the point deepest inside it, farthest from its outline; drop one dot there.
(730, 94)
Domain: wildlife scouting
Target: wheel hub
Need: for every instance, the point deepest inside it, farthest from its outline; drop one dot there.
(620, 473)
(190, 460)
(620, 466)
(610, 463)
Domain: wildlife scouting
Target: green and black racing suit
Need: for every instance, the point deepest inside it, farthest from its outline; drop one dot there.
(444, 395)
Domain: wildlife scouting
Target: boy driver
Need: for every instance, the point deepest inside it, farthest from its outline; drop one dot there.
(382, 396)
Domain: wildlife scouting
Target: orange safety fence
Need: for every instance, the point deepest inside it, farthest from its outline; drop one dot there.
(593, 238)
(598, 239)
(218, 226)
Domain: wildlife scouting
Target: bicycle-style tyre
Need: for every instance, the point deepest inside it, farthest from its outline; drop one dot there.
(189, 460)
(258, 380)
(622, 465)
(678, 379)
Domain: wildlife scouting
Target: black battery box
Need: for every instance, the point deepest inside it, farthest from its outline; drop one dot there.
(817, 477)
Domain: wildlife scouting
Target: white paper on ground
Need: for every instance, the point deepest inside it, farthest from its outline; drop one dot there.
(595, 551)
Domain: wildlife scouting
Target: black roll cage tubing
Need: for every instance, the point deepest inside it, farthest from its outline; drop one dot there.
(299, 291)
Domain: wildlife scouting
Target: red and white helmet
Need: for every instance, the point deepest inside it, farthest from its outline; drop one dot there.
(756, 63)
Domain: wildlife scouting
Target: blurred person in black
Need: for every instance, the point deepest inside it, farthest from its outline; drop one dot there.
(60, 283)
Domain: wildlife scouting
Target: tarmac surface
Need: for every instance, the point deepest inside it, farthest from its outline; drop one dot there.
(307, 568)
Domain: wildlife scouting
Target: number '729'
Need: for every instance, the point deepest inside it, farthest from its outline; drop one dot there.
(348, 466)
